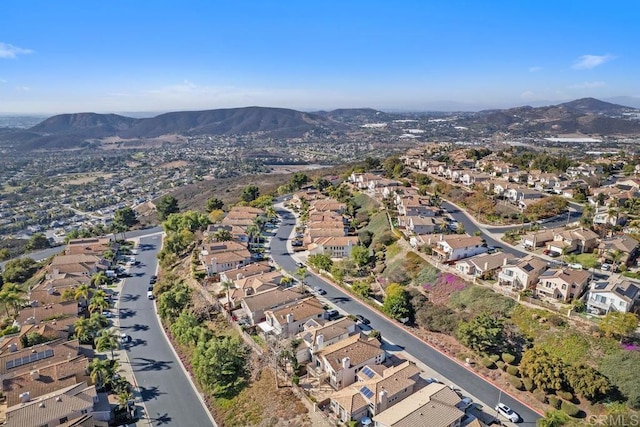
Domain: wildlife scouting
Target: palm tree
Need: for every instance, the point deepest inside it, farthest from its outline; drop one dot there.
(222, 235)
(9, 299)
(82, 293)
(302, 272)
(102, 370)
(124, 397)
(616, 256)
(107, 340)
(252, 231)
(633, 204)
(98, 321)
(270, 212)
(99, 279)
(227, 285)
(98, 304)
(84, 329)
(553, 418)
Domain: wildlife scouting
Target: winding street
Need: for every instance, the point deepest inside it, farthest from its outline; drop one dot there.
(400, 337)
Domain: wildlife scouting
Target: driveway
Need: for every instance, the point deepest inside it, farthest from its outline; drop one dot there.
(401, 339)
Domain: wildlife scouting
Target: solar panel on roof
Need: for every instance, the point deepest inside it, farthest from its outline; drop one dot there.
(368, 372)
(10, 364)
(366, 392)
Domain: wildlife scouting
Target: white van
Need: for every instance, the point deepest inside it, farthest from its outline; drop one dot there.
(150, 295)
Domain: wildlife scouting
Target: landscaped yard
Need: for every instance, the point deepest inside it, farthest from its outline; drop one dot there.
(587, 260)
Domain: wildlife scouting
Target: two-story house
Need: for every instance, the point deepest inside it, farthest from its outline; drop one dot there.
(522, 275)
(336, 247)
(342, 360)
(289, 320)
(315, 337)
(455, 246)
(619, 293)
(562, 285)
(254, 306)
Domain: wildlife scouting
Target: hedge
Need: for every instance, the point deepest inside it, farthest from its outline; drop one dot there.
(554, 401)
(571, 409)
(494, 357)
(528, 384)
(565, 395)
(516, 382)
(539, 395)
(500, 364)
(513, 370)
(508, 358)
(488, 363)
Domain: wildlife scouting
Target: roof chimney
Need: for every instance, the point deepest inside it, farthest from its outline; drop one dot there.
(35, 375)
(346, 363)
(320, 340)
(289, 317)
(13, 347)
(486, 266)
(24, 397)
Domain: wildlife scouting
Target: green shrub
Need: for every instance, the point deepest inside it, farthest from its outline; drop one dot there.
(516, 382)
(554, 401)
(508, 358)
(528, 384)
(494, 357)
(540, 396)
(565, 395)
(488, 363)
(513, 370)
(295, 380)
(571, 409)
(501, 365)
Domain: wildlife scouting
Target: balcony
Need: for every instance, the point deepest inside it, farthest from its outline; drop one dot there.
(592, 303)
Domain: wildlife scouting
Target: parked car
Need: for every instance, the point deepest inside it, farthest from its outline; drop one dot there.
(301, 265)
(150, 294)
(150, 288)
(465, 402)
(319, 290)
(431, 380)
(107, 314)
(332, 313)
(507, 412)
(576, 266)
(605, 267)
(124, 338)
(363, 319)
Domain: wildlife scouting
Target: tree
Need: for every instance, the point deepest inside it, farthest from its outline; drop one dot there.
(220, 365)
(321, 183)
(360, 255)
(615, 256)
(546, 371)
(553, 418)
(227, 286)
(320, 261)
(185, 328)
(11, 296)
(397, 304)
(38, 241)
(107, 340)
(214, 204)
(361, 288)
(99, 279)
(82, 292)
(588, 382)
(101, 371)
(222, 235)
(482, 334)
(19, 270)
(166, 206)
(173, 301)
(365, 237)
(98, 304)
(83, 330)
(4, 254)
(618, 324)
(249, 193)
(124, 219)
(302, 273)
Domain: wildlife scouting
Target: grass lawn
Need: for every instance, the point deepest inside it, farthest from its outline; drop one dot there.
(587, 260)
(366, 203)
(378, 224)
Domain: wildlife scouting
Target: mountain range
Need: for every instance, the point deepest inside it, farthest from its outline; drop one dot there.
(587, 116)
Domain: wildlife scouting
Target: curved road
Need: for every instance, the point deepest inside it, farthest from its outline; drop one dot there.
(426, 354)
(166, 390)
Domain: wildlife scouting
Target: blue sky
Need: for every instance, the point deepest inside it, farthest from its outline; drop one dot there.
(125, 56)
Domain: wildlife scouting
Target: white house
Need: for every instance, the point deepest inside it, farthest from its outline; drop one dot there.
(456, 246)
(618, 294)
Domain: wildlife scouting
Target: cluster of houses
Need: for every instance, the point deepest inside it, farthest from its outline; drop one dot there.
(48, 384)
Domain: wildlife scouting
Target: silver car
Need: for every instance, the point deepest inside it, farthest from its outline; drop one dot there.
(507, 412)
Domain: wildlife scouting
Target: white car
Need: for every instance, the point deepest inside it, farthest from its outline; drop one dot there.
(605, 267)
(507, 412)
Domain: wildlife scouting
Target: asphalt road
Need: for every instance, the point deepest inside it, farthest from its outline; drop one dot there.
(167, 393)
(395, 333)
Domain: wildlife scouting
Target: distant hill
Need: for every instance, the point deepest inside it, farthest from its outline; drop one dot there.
(587, 116)
(77, 130)
(80, 130)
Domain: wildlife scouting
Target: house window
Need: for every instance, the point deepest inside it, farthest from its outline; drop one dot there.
(84, 411)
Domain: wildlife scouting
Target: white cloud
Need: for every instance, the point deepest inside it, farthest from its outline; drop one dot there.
(534, 69)
(9, 51)
(23, 88)
(587, 62)
(3, 81)
(587, 85)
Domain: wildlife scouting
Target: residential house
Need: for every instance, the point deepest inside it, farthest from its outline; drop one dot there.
(456, 246)
(342, 360)
(336, 247)
(245, 271)
(624, 244)
(522, 275)
(538, 238)
(484, 265)
(432, 406)
(327, 205)
(619, 293)
(251, 285)
(377, 389)
(521, 196)
(579, 240)
(423, 224)
(90, 246)
(470, 178)
(16, 361)
(562, 285)
(39, 313)
(76, 265)
(289, 320)
(416, 205)
(217, 257)
(379, 185)
(361, 180)
(254, 306)
(58, 407)
(242, 216)
(315, 337)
